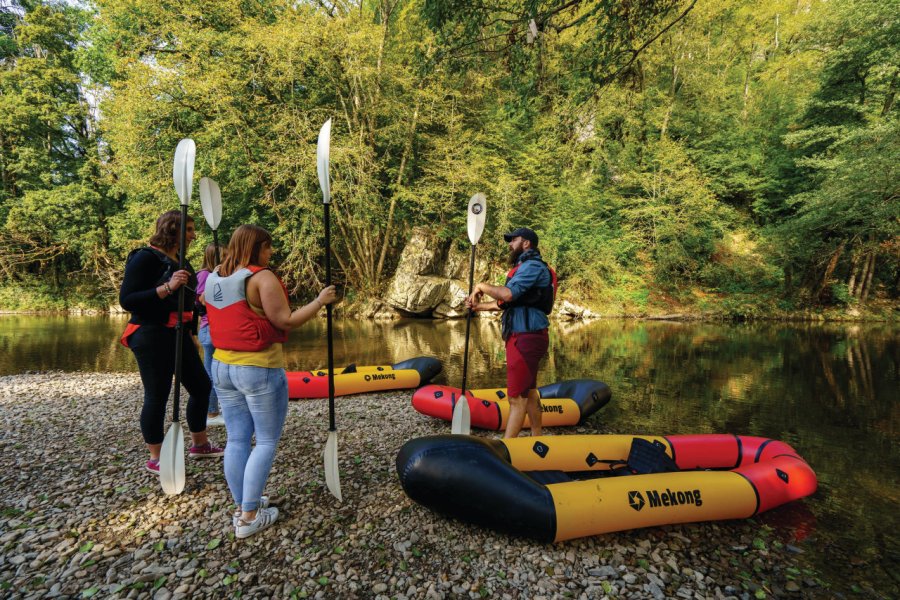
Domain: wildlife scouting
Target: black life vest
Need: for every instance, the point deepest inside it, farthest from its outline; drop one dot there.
(541, 297)
(166, 267)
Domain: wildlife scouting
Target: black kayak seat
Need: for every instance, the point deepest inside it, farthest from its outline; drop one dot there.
(644, 458)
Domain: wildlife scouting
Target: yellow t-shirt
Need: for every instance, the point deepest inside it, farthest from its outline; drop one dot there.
(270, 358)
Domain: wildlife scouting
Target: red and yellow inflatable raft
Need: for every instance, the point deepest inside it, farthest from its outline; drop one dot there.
(562, 403)
(359, 380)
(555, 488)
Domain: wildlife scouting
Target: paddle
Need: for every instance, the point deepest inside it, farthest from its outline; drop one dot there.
(475, 217)
(332, 475)
(171, 457)
(211, 201)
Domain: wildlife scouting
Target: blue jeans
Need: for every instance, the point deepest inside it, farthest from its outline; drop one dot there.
(206, 341)
(253, 400)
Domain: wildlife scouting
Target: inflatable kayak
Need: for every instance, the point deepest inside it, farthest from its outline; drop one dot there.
(358, 380)
(554, 488)
(562, 403)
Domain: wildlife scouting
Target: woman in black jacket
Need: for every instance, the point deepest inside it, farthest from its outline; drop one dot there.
(150, 293)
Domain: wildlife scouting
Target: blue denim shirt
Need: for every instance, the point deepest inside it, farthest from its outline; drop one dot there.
(531, 273)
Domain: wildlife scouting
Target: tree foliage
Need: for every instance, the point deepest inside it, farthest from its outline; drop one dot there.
(731, 155)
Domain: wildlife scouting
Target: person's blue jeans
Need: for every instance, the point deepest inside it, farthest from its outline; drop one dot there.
(206, 342)
(253, 400)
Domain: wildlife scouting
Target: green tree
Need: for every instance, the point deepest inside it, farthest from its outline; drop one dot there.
(846, 216)
(52, 203)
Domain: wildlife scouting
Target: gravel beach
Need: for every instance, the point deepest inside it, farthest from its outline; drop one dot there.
(80, 517)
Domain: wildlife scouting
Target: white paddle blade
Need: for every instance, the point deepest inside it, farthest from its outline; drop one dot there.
(462, 419)
(211, 201)
(183, 169)
(171, 461)
(475, 217)
(323, 149)
(332, 475)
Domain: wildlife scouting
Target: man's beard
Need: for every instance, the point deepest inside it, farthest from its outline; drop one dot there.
(514, 257)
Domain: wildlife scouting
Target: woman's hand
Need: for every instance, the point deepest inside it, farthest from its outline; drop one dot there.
(327, 295)
(178, 279)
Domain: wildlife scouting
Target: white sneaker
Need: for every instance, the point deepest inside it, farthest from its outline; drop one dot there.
(216, 421)
(264, 518)
(263, 503)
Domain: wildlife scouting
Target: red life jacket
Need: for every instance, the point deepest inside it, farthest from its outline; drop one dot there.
(233, 324)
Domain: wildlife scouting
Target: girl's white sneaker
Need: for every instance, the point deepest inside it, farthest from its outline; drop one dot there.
(265, 517)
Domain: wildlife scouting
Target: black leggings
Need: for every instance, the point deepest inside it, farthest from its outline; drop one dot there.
(154, 349)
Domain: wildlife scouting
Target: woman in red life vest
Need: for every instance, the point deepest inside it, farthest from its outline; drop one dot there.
(150, 293)
(249, 318)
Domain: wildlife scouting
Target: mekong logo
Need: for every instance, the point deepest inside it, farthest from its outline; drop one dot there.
(477, 208)
(657, 498)
(635, 500)
(377, 377)
(551, 409)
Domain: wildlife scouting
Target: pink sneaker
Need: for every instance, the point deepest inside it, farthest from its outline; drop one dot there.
(207, 450)
(153, 466)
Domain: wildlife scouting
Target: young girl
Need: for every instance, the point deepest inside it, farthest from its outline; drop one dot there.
(213, 417)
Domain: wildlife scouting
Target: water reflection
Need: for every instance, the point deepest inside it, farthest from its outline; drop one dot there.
(829, 390)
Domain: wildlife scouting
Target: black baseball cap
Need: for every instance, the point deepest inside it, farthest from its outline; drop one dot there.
(524, 233)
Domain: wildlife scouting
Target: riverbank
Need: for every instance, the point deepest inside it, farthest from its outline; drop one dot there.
(882, 313)
(80, 517)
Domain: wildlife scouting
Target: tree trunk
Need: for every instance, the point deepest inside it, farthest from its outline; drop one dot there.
(387, 228)
(829, 270)
(673, 90)
(746, 95)
(864, 271)
(867, 284)
(777, 23)
(854, 268)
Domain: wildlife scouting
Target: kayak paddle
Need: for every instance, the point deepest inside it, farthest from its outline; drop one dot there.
(171, 457)
(475, 217)
(332, 475)
(211, 201)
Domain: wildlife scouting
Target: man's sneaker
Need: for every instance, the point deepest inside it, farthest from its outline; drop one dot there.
(216, 421)
(263, 503)
(207, 450)
(264, 518)
(153, 466)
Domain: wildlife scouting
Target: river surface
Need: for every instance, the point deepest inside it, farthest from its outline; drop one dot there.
(830, 390)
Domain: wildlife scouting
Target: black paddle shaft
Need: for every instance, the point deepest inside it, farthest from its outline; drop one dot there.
(331, 426)
(179, 325)
(216, 244)
(468, 321)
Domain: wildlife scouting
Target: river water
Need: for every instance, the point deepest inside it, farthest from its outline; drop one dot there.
(830, 390)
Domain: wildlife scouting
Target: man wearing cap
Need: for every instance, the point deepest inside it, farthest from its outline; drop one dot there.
(525, 299)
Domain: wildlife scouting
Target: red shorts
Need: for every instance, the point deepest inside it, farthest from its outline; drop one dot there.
(524, 352)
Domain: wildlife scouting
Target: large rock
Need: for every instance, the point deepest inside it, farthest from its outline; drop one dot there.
(416, 295)
(418, 284)
(432, 277)
(453, 304)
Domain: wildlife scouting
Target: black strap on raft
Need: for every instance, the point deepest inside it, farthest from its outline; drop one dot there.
(645, 458)
(350, 369)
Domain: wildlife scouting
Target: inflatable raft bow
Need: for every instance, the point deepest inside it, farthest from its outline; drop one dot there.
(554, 488)
(562, 403)
(358, 380)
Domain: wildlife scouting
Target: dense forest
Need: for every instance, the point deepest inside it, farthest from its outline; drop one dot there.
(735, 157)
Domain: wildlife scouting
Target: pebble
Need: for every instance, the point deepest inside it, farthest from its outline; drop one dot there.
(91, 516)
